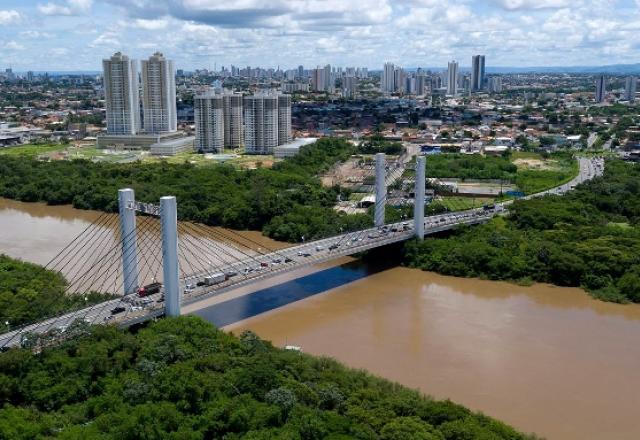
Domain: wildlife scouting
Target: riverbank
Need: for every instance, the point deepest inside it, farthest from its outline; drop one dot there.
(546, 359)
(588, 238)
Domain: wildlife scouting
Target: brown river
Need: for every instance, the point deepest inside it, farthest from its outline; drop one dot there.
(545, 359)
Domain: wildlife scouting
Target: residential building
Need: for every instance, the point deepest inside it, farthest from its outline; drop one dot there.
(121, 95)
(159, 95)
(284, 119)
(261, 123)
(477, 73)
(601, 88)
(452, 78)
(209, 122)
(631, 85)
(233, 119)
(387, 82)
(495, 84)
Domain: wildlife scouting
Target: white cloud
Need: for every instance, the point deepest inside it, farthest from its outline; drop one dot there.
(13, 45)
(513, 5)
(71, 7)
(9, 16)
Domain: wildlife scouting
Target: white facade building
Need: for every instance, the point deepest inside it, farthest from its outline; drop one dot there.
(209, 122)
(121, 95)
(233, 120)
(387, 81)
(284, 119)
(159, 95)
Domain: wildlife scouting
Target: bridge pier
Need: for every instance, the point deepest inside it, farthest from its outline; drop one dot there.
(381, 189)
(126, 201)
(169, 221)
(418, 204)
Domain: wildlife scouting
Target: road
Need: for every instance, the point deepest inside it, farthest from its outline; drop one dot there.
(249, 270)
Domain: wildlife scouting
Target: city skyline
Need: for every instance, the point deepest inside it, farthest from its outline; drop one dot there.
(68, 35)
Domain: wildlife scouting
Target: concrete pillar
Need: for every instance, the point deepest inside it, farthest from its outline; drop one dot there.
(381, 189)
(126, 200)
(169, 220)
(418, 204)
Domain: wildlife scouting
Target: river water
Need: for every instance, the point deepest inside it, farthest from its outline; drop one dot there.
(545, 359)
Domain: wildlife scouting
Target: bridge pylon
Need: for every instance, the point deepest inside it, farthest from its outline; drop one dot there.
(418, 203)
(169, 221)
(381, 189)
(126, 207)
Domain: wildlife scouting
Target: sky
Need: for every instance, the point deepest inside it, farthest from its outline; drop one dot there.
(66, 35)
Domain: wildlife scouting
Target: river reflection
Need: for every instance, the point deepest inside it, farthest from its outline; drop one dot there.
(546, 359)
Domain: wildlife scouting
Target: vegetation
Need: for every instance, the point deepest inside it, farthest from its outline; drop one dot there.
(589, 237)
(378, 144)
(470, 166)
(30, 150)
(29, 292)
(184, 379)
(287, 201)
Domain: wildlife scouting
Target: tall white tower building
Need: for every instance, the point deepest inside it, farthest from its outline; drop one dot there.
(387, 82)
(284, 119)
(121, 94)
(159, 94)
(233, 120)
(209, 122)
(260, 123)
(452, 78)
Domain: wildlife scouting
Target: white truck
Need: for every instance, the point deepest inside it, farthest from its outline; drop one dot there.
(215, 278)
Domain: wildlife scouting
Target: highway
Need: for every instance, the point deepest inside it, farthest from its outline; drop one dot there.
(248, 270)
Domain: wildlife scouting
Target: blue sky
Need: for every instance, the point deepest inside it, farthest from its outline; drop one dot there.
(77, 34)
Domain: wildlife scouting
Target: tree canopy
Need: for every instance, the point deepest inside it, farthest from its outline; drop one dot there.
(183, 379)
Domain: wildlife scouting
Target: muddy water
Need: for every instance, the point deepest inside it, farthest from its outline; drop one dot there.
(546, 359)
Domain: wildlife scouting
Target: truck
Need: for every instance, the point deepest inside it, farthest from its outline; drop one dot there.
(149, 289)
(215, 278)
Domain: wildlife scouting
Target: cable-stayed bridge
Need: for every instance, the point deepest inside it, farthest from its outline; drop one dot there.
(180, 263)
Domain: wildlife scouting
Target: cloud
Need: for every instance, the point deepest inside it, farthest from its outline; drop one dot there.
(9, 16)
(513, 5)
(71, 7)
(13, 45)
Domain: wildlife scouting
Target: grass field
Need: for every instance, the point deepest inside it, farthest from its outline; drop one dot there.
(31, 150)
(462, 203)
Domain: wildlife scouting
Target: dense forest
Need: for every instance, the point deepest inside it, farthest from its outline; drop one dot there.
(269, 199)
(183, 379)
(29, 292)
(589, 237)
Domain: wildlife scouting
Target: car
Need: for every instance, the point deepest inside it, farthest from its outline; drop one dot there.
(276, 260)
(200, 283)
(189, 287)
(117, 309)
(305, 254)
(146, 301)
(109, 318)
(300, 253)
(231, 273)
(161, 299)
(264, 264)
(334, 246)
(136, 308)
(354, 239)
(319, 248)
(372, 235)
(288, 260)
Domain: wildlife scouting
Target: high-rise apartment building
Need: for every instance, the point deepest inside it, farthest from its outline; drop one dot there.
(233, 119)
(350, 86)
(284, 119)
(477, 73)
(159, 95)
(495, 84)
(260, 123)
(630, 87)
(387, 81)
(601, 88)
(209, 122)
(121, 95)
(421, 83)
(318, 82)
(452, 78)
